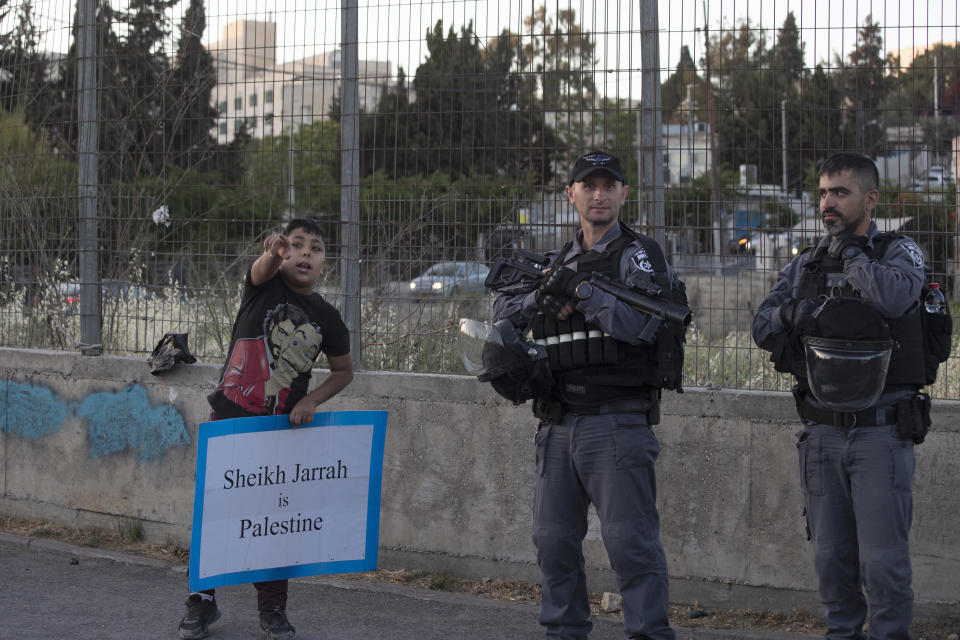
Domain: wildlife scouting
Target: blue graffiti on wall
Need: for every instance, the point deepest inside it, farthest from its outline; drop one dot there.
(29, 410)
(115, 419)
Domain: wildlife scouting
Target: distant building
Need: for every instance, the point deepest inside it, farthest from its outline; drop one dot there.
(909, 159)
(686, 151)
(270, 98)
(908, 54)
(956, 255)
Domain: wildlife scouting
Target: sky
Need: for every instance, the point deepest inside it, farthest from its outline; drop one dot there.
(394, 29)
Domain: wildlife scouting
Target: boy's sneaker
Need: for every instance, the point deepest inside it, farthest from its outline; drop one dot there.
(201, 613)
(275, 626)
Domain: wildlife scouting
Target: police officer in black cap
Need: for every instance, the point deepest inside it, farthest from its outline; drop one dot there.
(594, 443)
(857, 395)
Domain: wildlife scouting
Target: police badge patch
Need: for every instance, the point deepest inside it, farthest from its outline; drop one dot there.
(914, 252)
(641, 261)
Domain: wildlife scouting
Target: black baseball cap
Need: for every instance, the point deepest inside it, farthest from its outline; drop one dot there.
(593, 162)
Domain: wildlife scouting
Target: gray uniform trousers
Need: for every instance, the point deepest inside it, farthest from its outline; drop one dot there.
(607, 460)
(857, 486)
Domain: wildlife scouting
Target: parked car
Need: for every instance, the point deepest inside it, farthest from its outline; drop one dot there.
(932, 191)
(450, 279)
(935, 179)
(743, 244)
(69, 292)
(123, 290)
(932, 181)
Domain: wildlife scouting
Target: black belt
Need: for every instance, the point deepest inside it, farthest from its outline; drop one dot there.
(872, 417)
(617, 406)
(553, 410)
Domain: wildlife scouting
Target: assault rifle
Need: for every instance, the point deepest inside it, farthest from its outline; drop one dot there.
(523, 272)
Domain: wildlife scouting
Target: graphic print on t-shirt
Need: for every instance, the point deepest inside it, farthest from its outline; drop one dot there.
(260, 370)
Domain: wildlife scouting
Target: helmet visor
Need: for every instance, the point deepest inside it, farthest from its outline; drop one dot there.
(474, 337)
(846, 375)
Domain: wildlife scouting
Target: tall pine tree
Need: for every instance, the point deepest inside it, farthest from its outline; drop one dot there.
(24, 68)
(787, 61)
(145, 71)
(863, 81)
(132, 72)
(674, 89)
(469, 116)
(188, 111)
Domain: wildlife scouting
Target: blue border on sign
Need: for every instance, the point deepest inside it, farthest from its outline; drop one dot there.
(207, 430)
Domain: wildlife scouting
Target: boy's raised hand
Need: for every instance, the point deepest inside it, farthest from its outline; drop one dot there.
(276, 249)
(277, 244)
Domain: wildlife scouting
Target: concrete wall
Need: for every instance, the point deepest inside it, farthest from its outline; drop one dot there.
(87, 440)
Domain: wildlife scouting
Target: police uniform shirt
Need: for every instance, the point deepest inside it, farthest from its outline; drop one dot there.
(615, 318)
(892, 284)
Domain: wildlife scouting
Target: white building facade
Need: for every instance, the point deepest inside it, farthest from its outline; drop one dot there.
(686, 152)
(271, 99)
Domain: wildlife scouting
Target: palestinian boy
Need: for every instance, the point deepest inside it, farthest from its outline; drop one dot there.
(280, 329)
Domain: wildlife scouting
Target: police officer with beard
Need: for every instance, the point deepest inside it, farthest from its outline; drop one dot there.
(856, 464)
(594, 443)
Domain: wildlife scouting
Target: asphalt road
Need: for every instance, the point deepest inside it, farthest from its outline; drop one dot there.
(56, 591)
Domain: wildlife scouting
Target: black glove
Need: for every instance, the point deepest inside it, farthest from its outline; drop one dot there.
(846, 245)
(793, 311)
(550, 304)
(562, 281)
(171, 349)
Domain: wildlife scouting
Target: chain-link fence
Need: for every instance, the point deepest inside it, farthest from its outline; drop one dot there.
(148, 147)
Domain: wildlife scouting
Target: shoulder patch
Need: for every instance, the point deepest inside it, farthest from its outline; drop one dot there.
(641, 261)
(914, 252)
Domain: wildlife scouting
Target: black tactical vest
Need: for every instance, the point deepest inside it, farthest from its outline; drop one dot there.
(592, 368)
(907, 363)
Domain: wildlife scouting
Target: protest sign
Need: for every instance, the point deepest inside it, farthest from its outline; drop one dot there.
(273, 502)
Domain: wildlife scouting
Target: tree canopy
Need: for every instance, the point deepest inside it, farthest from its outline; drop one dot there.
(501, 113)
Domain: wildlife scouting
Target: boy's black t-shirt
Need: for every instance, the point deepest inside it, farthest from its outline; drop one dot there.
(277, 336)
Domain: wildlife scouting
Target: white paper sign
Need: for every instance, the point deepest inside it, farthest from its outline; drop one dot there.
(273, 502)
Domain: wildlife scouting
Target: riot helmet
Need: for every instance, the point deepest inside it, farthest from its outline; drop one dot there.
(847, 353)
(497, 353)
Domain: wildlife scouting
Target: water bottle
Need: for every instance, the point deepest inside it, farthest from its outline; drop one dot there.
(935, 302)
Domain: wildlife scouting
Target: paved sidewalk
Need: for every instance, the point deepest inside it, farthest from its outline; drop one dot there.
(55, 590)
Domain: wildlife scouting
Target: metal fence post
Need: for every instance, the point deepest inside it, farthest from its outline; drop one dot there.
(652, 118)
(956, 235)
(87, 180)
(349, 178)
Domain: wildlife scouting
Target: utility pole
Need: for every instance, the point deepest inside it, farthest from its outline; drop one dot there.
(783, 141)
(861, 142)
(936, 111)
(642, 213)
(291, 192)
(715, 209)
(690, 161)
(955, 162)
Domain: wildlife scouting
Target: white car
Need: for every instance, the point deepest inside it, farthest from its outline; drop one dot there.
(935, 179)
(450, 280)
